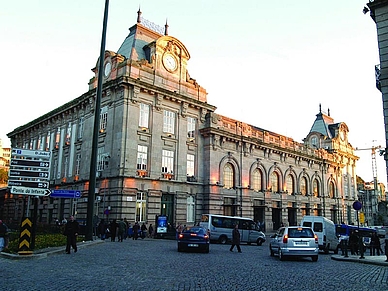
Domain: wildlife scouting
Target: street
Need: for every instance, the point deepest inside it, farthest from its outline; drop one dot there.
(153, 264)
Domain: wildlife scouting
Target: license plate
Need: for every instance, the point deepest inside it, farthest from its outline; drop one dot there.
(192, 245)
(301, 243)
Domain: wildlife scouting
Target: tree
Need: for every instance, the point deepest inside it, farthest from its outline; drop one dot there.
(3, 176)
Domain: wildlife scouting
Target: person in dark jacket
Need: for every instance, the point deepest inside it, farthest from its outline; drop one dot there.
(136, 228)
(235, 239)
(71, 232)
(113, 230)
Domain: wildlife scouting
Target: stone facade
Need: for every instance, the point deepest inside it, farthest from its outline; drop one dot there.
(163, 150)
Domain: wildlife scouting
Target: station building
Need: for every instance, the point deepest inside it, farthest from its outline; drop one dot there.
(164, 150)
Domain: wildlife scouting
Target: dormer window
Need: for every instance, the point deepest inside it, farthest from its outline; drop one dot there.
(314, 141)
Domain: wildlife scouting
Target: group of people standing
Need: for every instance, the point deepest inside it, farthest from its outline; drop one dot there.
(123, 229)
(356, 242)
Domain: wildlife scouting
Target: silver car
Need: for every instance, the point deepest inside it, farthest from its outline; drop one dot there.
(294, 241)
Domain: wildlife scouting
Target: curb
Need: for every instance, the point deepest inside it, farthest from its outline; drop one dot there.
(44, 253)
(361, 261)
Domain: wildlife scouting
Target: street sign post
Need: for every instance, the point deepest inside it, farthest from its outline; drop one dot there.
(65, 194)
(29, 172)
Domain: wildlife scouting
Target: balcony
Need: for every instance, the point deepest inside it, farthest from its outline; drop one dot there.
(168, 176)
(142, 173)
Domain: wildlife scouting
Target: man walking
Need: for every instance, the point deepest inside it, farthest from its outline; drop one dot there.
(235, 239)
(71, 232)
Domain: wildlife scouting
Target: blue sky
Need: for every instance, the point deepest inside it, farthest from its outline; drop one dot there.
(267, 63)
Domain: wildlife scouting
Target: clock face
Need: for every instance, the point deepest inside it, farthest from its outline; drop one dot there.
(169, 62)
(107, 69)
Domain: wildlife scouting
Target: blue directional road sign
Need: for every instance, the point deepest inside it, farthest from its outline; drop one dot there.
(65, 193)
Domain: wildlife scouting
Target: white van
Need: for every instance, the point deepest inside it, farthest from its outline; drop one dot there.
(325, 230)
(221, 227)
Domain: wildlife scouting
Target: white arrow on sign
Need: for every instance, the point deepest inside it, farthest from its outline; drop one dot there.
(30, 191)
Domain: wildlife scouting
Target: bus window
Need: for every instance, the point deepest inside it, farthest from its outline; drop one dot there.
(307, 223)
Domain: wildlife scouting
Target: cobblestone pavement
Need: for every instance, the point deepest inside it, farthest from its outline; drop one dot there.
(156, 265)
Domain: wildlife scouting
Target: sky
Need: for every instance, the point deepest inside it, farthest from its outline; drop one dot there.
(267, 63)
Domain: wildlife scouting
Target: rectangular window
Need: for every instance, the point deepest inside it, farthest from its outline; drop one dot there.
(77, 165)
(191, 127)
(168, 121)
(65, 166)
(141, 202)
(190, 165)
(190, 209)
(68, 134)
(167, 161)
(100, 159)
(48, 141)
(103, 119)
(57, 137)
(141, 157)
(81, 122)
(144, 115)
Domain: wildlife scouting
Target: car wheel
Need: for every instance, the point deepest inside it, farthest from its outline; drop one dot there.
(223, 239)
(259, 241)
(314, 258)
(281, 256)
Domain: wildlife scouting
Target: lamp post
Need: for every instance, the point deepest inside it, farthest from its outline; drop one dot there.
(93, 159)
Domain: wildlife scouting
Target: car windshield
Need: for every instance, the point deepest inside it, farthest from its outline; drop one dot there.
(300, 233)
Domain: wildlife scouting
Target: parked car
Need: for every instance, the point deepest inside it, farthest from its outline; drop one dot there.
(294, 241)
(194, 238)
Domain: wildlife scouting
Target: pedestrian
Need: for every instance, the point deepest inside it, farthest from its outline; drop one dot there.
(235, 239)
(374, 245)
(122, 230)
(151, 231)
(143, 230)
(3, 236)
(126, 228)
(71, 232)
(113, 230)
(353, 242)
(102, 229)
(135, 229)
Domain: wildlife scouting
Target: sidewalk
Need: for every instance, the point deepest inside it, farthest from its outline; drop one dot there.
(373, 260)
(42, 253)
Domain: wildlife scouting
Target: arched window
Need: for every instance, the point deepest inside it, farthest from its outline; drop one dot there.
(256, 180)
(303, 186)
(290, 184)
(228, 176)
(316, 188)
(275, 182)
(331, 189)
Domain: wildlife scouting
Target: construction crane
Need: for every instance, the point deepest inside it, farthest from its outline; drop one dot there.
(371, 206)
(374, 164)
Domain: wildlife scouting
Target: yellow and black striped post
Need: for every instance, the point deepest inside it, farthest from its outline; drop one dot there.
(25, 237)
